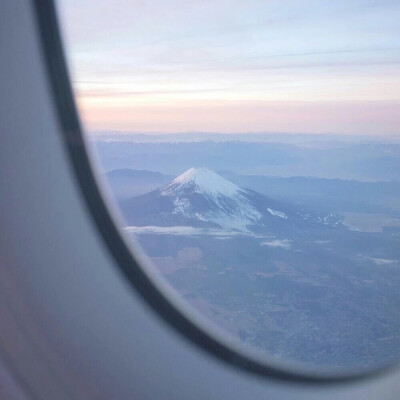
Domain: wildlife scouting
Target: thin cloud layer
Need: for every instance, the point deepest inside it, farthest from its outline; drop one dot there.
(303, 66)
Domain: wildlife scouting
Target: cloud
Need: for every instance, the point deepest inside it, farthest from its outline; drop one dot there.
(344, 117)
(309, 65)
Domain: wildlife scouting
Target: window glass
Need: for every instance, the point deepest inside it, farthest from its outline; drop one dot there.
(253, 150)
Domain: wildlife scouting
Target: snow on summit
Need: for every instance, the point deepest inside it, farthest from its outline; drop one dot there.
(201, 180)
(227, 206)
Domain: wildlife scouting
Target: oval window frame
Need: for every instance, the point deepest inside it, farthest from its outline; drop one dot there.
(128, 263)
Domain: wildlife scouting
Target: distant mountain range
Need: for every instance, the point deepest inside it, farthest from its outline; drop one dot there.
(322, 195)
(268, 137)
(364, 161)
(125, 183)
(201, 198)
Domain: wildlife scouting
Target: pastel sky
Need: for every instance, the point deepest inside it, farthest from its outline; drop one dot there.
(309, 66)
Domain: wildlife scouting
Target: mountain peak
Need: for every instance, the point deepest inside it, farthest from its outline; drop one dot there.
(200, 194)
(202, 180)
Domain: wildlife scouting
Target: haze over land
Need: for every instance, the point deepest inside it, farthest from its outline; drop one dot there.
(324, 156)
(282, 274)
(311, 274)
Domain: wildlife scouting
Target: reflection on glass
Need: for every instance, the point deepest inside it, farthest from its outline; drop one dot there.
(289, 241)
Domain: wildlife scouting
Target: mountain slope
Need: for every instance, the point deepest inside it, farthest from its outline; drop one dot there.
(201, 198)
(127, 183)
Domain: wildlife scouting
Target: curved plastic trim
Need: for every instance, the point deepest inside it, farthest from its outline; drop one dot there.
(75, 146)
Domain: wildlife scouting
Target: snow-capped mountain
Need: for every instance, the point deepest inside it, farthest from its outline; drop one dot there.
(202, 194)
(201, 198)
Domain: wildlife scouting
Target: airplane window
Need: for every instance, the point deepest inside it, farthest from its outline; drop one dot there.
(252, 149)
